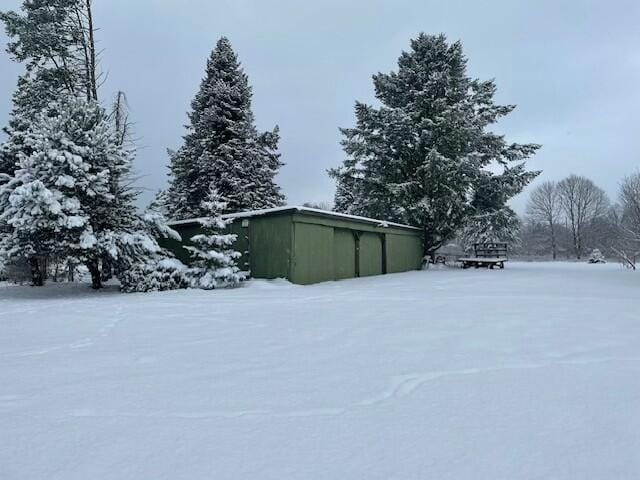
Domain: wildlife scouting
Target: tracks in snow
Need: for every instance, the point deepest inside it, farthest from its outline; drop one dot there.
(400, 387)
(83, 343)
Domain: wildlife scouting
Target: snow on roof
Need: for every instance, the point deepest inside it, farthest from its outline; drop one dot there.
(317, 211)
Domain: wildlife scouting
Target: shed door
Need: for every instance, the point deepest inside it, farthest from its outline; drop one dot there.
(344, 251)
(313, 254)
(370, 254)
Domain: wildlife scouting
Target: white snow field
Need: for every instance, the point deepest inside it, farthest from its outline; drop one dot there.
(531, 372)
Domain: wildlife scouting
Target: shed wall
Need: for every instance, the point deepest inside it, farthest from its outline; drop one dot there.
(308, 249)
(270, 246)
(404, 252)
(187, 231)
(344, 254)
(176, 247)
(313, 256)
(370, 254)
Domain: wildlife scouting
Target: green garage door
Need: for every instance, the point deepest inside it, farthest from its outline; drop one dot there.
(370, 254)
(313, 257)
(344, 254)
(404, 252)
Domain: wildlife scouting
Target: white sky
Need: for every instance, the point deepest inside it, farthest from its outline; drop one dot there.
(572, 67)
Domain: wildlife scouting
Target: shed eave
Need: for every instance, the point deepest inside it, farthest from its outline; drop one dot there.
(301, 210)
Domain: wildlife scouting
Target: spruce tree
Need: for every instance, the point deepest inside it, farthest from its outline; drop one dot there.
(214, 260)
(54, 39)
(67, 197)
(47, 202)
(65, 170)
(420, 158)
(491, 219)
(222, 146)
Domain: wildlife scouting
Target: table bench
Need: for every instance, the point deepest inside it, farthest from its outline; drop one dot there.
(489, 255)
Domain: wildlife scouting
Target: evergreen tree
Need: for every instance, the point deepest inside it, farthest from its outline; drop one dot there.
(158, 269)
(502, 225)
(66, 188)
(55, 41)
(214, 260)
(491, 219)
(43, 202)
(222, 146)
(421, 157)
(67, 197)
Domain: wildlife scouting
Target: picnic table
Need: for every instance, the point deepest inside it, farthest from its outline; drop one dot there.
(489, 255)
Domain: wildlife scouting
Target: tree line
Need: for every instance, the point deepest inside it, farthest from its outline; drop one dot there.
(573, 216)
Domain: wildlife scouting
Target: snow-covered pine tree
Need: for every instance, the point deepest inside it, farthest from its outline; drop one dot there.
(222, 146)
(67, 197)
(55, 41)
(42, 202)
(54, 38)
(420, 157)
(158, 270)
(502, 225)
(214, 260)
(491, 219)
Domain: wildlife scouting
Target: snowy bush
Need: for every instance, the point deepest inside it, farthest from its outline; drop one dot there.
(597, 257)
(165, 274)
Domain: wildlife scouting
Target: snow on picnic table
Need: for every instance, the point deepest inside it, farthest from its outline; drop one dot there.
(532, 372)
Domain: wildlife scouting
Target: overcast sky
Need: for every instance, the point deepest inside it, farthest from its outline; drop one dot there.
(572, 67)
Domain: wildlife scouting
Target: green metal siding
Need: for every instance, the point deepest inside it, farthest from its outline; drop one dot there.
(187, 231)
(270, 246)
(306, 247)
(370, 254)
(339, 222)
(404, 252)
(176, 247)
(313, 257)
(344, 254)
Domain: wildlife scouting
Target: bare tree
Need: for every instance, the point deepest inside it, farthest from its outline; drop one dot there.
(630, 201)
(583, 203)
(544, 207)
(629, 225)
(120, 117)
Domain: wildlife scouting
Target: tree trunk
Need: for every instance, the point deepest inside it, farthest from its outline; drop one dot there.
(554, 245)
(579, 248)
(96, 276)
(107, 269)
(37, 279)
(92, 52)
(56, 270)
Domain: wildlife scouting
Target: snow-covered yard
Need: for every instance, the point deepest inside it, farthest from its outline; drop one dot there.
(532, 372)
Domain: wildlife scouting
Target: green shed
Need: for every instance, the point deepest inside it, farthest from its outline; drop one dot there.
(307, 245)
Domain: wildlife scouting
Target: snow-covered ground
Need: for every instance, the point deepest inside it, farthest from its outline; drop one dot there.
(532, 372)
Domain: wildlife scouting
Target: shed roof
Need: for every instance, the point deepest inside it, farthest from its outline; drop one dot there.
(297, 209)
